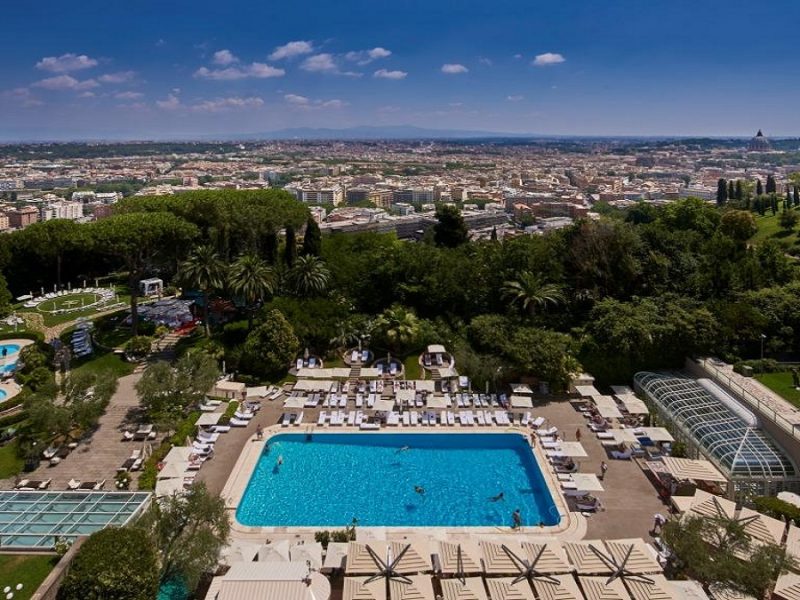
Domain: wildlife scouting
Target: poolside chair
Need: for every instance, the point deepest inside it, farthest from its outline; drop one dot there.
(73, 484)
(547, 432)
(537, 422)
(359, 418)
(285, 418)
(220, 428)
(351, 418)
(364, 355)
(323, 416)
(482, 419)
(299, 364)
(414, 418)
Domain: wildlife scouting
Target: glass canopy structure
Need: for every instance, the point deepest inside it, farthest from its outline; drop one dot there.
(712, 423)
(36, 519)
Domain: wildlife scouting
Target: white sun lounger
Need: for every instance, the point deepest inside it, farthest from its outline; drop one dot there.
(323, 416)
(245, 416)
(546, 432)
(393, 419)
(414, 417)
(220, 428)
(351, 418)
(551, 445)
(285, 419)
(359, 400)
(299, 420)
(482, 418)
(451, 419)
(406, 419)
(537, 422)
(359, 418)
(343, 401)
(605, 435)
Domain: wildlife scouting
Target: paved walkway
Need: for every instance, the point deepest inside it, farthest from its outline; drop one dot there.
(98, 458)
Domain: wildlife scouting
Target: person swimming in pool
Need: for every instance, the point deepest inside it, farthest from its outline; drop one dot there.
(403, 449)
(280, 459)
(497, 498)
(419, 489)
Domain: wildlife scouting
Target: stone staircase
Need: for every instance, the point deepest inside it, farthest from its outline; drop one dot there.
(162, 350)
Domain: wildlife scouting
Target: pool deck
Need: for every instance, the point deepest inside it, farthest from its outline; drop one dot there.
(571, 526)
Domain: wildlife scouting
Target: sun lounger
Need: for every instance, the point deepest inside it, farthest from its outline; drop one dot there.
(354, 356)
(616, 454)
(323, 416)
(220, 428)
(246, 416)
(364, 355)
(234, 422)
(127, 436)
(206, 438)
(526, 419)
(369, 426)
(285, 419)
(299, 363)
(299, 420)
(414, 418)
(393, 419)
(406, 419)
(546, 432)
(569, 485)
(73, 484)
(482, 418)
(351, 418)
(343, 401)
(551, 445)
(605, 435)
(451, 419)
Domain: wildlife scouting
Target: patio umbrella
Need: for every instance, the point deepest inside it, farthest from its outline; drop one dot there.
(417, 587)
(356, 588)
(563, 587)
(311, 554)
(595, 588)
(469, 588)
(459, 559)
(275, 552)
(504, 588)
(625, 560)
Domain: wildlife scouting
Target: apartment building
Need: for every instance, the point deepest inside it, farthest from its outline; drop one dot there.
(62, 210)
(22, 217)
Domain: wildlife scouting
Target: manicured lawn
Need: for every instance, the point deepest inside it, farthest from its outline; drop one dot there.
(29, 570)
(51, 319)
(413, 370)
(104, 362)
(769, 228)
(10, 463)
(782, 384)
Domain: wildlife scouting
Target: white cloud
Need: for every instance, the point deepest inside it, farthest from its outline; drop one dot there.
(224, 104)
(128, 95)
(364, 57)
(292, 49)
(86, 95)
(22, 95)
(296, 100)
(518, 56)
(254, 70)
(515, 98)
(119, 77)
(385, 74)
(487, 62)
(454, 69)
(305, 103)
(547, 59)
(320, 63)
(65, 82)
(66, 63)
(224, 58)
(171, 102)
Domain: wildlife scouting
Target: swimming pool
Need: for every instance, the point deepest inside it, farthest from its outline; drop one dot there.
(334, 478)
(8, 363)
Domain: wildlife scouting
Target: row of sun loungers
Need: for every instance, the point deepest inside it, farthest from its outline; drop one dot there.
(28, 485)
(76, 485)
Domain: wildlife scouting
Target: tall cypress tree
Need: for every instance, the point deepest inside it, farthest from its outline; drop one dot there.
(759, 188)
(312, 239)
(788, 202)
(271, 247)
(722, 192)
(290, 251)
(772, 188)
(731, 190)
(797, 195)
(739, 190)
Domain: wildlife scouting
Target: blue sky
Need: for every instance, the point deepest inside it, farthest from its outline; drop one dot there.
(145, 68)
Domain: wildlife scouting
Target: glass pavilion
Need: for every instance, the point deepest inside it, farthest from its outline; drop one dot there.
(714, 425)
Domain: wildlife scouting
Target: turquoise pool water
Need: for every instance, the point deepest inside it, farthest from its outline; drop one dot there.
(334, 478)
(10, 361)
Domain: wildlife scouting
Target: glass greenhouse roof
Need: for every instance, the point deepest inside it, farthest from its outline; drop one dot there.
(35, 519)
(728, 434)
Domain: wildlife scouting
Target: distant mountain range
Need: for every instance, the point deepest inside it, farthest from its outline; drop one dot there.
(367, 132)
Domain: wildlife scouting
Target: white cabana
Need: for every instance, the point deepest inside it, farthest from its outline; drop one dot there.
(573, 449)
(257, 392)
(695, 469)
(587, 482)
(314, 385)
(335, 556)
(274, 552)
(311, 554)
(383, 405)
(295, 402)
(607, 407)
(633, 405)
(621, 390)
(208, 418)
(521, 402)
(436, 349)
(587, 391)
(470, 588)
(439, 402)
(521, 388)
(424, 385)
(557, 587)
(228, 389)
(239, 551)
(370, 373)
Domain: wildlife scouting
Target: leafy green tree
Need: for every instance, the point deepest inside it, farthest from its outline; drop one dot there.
(140, 239)
(187, 532)
(738, 224)
(205, 270)
(253, 280)
(397, 328)
(113, 564)
(270, 347)
(52, 240)
(166, 392)
(312, 239)
(722, 192)
(788, 220)
(309, 276)
(5, 297)
(290, 250)
(707, 549)
(546, 355)
(450, 229)
(315, 321)
(531, 293)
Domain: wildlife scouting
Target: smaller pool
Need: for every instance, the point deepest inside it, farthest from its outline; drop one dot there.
(9, 353)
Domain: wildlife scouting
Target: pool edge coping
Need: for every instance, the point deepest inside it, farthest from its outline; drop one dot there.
(572, 525)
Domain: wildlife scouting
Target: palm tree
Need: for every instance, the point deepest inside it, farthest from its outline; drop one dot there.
(532, 293)
(253, 280)
(309, 276)
(398, 326)
(205, 270)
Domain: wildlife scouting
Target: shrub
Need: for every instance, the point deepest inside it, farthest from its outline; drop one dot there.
(775, 507)
(234, 333)
(233, 406)
(322, 537)
(270, 347)
(765, 365)
(118, 563)
(138, 346)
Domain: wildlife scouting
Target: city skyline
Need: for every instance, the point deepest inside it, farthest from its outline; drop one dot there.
(100, 71)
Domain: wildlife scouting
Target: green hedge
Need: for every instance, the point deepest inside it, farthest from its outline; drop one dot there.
(233, 406)
(766, 365)
(13, 419)
(186, 428)
(774, 507)
(36, 336)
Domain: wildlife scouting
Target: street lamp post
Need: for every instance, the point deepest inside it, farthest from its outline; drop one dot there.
(763, 337)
